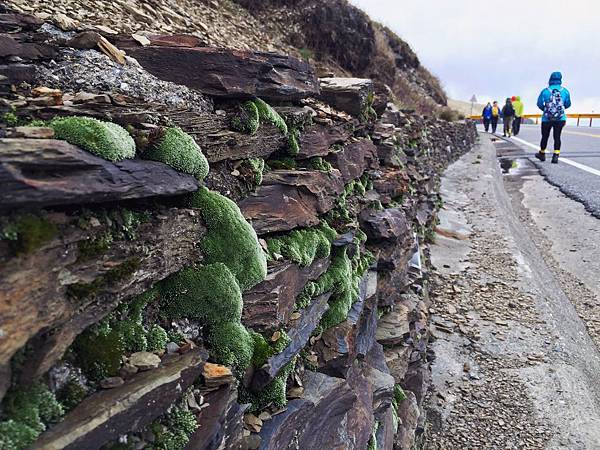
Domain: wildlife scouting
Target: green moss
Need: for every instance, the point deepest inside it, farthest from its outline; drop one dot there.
(319, 163)
(157, 338)
(230, 239)
(258, 166)
(11, 119)
(37, 123)
(98, 351)
(264, 349)
(29, 411)
(293, 144)
(104, 139)
(342, 278)
(231, 345)
(174, 434)
(246, 120)
(94, 247)
(282, 164)
(71, 394)
(303, 246)
(28, 232)
(372, 445)
(133, 335)
(212, 295)
(180, 151)
(399, 395)
(208, 293)
(16, 435)
(272, 394)
(267, 114)
(175, 336)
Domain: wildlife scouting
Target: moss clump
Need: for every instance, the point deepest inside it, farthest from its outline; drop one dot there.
(342, 278)
(231, 345)
(93, 247)
(264, 349)
(175, 431)
(258, 166)
(282, 164)
(208, 293)
(104, 139)
(247, 119)
(180, 151)
(71, 394)
(29, 411)
(156, 338)
(305, 245)
(399, 394)
(133, 335)
(319, 163)
(28, 232)
(212, 295)
(267, 114)
(372, 445)
(16, 435)
(98, 351)
(293, 144)
(230, 239)
(11, 119)
(272, 394)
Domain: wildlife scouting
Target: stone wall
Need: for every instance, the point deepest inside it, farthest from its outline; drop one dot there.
(208, 248)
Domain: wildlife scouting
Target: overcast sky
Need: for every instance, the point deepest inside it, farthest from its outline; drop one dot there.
(498, 49)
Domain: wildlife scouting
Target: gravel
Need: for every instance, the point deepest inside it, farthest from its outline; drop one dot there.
(92, 71)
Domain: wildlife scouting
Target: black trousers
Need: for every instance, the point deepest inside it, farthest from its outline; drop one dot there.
(494, 123)
(556, 126)
(516, 125)
(486, 124)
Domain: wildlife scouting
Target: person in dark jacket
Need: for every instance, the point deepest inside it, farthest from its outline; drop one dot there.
(496, 113)
(486, 115)
(508, 115)
(553, 101)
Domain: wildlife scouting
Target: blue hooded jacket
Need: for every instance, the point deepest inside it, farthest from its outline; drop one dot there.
(554, 83)
(487, 112)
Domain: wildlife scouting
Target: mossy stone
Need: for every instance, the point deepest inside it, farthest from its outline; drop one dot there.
(230, 239)
(180, 151)
(156, 338)
(209, 293)
(303, 246)
(232, 345)
(28, 232)
(104, 139)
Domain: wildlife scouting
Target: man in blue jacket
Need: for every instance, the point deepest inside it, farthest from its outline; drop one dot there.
(553, 101)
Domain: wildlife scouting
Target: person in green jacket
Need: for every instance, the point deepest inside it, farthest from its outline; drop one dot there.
(519, 107)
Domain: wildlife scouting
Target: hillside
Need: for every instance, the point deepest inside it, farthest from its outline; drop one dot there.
(337, 37)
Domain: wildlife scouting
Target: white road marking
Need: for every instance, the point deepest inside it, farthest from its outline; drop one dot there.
(562, 158)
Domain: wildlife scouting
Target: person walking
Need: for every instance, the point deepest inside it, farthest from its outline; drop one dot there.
(553, 101)
(519, 107)
(486, 116)
(508, 114)
(495, 116)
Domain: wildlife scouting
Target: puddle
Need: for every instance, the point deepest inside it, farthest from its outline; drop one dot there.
(508, 164)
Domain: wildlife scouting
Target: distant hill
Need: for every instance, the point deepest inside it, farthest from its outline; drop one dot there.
(465, 107)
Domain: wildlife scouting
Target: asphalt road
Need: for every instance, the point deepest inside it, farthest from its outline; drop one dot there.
(578, 171)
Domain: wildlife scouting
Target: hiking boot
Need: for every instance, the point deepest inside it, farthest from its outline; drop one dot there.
(555, 158)
(541, 156)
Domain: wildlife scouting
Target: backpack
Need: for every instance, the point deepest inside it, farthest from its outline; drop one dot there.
(554, 108)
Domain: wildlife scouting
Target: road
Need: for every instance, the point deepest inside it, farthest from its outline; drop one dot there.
(578, 173)
(515, 310)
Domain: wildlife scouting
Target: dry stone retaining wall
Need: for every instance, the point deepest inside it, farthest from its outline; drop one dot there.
(278, 302)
